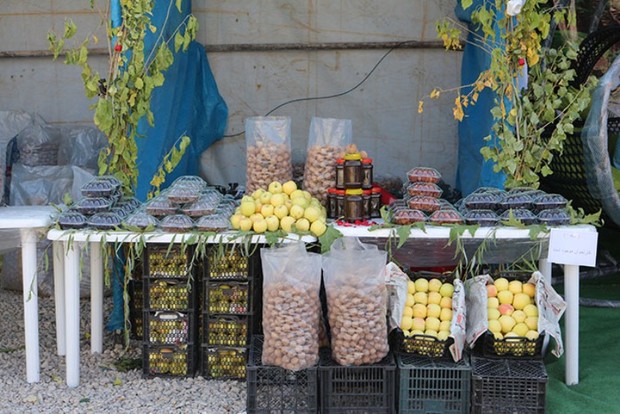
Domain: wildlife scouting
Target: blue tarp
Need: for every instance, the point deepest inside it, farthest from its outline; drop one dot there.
(472, 170)
(187, 104)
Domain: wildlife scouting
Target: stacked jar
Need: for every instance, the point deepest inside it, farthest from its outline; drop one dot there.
(353, 198)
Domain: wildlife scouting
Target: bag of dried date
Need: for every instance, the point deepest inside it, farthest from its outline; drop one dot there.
(268, 151)
(354, 277)
(291, 306)
(327, 140)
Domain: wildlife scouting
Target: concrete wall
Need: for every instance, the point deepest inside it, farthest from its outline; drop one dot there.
(383, 109)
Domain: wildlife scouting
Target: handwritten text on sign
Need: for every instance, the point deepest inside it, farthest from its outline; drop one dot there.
(573, 247)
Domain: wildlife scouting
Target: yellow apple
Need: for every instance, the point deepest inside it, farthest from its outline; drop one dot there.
(501, 284)
(247, 208)
(420, 297)
(288, 187)
(419, 324)
(256, 216)
(506, 309)
(521, 300)
(431, 332)
(409, 300)
(493, 303)
(446, 302)
(277, 200)
(529, 289)
(491, 291)
(434, 285)
(256, 194)
(307, 195)
(493, 313)
(260, 226)
(286, 223)
(258, 206)
(410, 287)
(318, 228)
(280, 211)
(433, 310)
(532, 322)
(520, 329)
(505, 297)
(406, 323)
(266, 210)
(312, 214)
(434, 297)
(408, 311)
(296, 212)
(247, 198)
(265, 197)
(302, 224)
(300, 201)
(432, 323)
(519, 316)
(272, 223)
(443, 335)
(445, 315)
(531, 335)
(419, 311)
(507, 323)
(495, 326)
(446, 290)
(515, 287)
(421, 285)
(530, 310)
(445, 326)
(234, 220)
(245, 224)
(275, 187)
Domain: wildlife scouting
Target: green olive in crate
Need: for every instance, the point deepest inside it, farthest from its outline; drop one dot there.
(226, 363)
(228, 299)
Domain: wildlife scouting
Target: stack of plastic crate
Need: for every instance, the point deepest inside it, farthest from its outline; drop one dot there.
(357, 389)
(272, 389)
(231, 310)
(170, 315)
(135, 291)
(433, 385)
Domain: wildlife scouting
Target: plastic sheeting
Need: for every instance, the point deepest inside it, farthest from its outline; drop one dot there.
(472, 170)
(187, 104)
(594, 137)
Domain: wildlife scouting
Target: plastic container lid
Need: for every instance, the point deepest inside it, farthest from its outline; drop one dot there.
(426, 174)
(178, 223)
(446, 217)
(424, 189)
(405, 216)
(93, 205)
(190, 181)
(105, 221)
(216, 223)
(483, 200)
(206, 204)
(356, 156)
(103, 186)
(71, 219)
(160, 206)
(424, 203)
(523, 215)
(486, 218)
(183, 194)
(554, 217)
(353, 191)
(140, 219)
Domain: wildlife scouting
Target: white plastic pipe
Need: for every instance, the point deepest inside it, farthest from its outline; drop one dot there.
(545, 268)
(59, 297)
(96, 298)
(31, 303)
(72, 298)
(571, 294)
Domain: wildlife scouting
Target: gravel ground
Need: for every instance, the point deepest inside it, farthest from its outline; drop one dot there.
(103, 389)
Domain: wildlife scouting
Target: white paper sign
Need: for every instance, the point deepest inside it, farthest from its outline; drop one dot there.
(571, 247)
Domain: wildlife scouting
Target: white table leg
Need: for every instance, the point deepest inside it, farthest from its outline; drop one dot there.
(571, 293)
(72, 298)
(31, 303)
(96, 298)
(59, 296)
(545, 268)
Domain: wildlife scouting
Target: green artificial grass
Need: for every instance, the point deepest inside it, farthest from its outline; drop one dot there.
(598, 390)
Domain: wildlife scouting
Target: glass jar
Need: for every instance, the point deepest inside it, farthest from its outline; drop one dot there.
(331, 203)
(353, 205)
(366, 203)
(339, 210)
(367, 173)
(353, 176)
(340, 173)
(375, 202)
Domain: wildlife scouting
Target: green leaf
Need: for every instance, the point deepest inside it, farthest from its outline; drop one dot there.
(178, 41)
(70, 29)
(327, 238)
(403, 234)
(466, 4)
(117, 382)
(179, 4)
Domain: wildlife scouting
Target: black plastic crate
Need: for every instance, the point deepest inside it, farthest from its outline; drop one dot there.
(136, 308)
(428, 385)
(226, 330)
(357, 389)
(231, 263)
(511, 347)
(163, 260)
(273, 389)
(169, 294)
(224, 362)
(508, 386)
(169, 328)
(230, 298)
(422, 345)
(169, 361)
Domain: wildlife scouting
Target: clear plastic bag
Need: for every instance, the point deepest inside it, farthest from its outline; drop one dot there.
(268, 148)
(38, 145)
(326, 143)
(291, 306)
(354, 275)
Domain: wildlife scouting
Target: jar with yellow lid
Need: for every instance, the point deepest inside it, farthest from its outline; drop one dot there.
(353, 205)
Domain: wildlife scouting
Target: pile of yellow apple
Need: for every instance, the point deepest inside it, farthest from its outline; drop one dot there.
(280, 206)
(512, 310)
(428, 309)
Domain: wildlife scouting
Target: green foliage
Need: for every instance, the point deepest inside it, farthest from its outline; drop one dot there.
(124, 93)
(532, 124)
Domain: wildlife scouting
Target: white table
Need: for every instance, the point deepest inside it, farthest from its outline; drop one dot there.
(29, 219)
(67, 245)
(510, 237)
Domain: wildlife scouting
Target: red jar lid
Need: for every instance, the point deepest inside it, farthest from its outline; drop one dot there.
(376, 190)
(331, 191)
(340, 161)
(367, 161)
(367, 192)
(340, 192)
